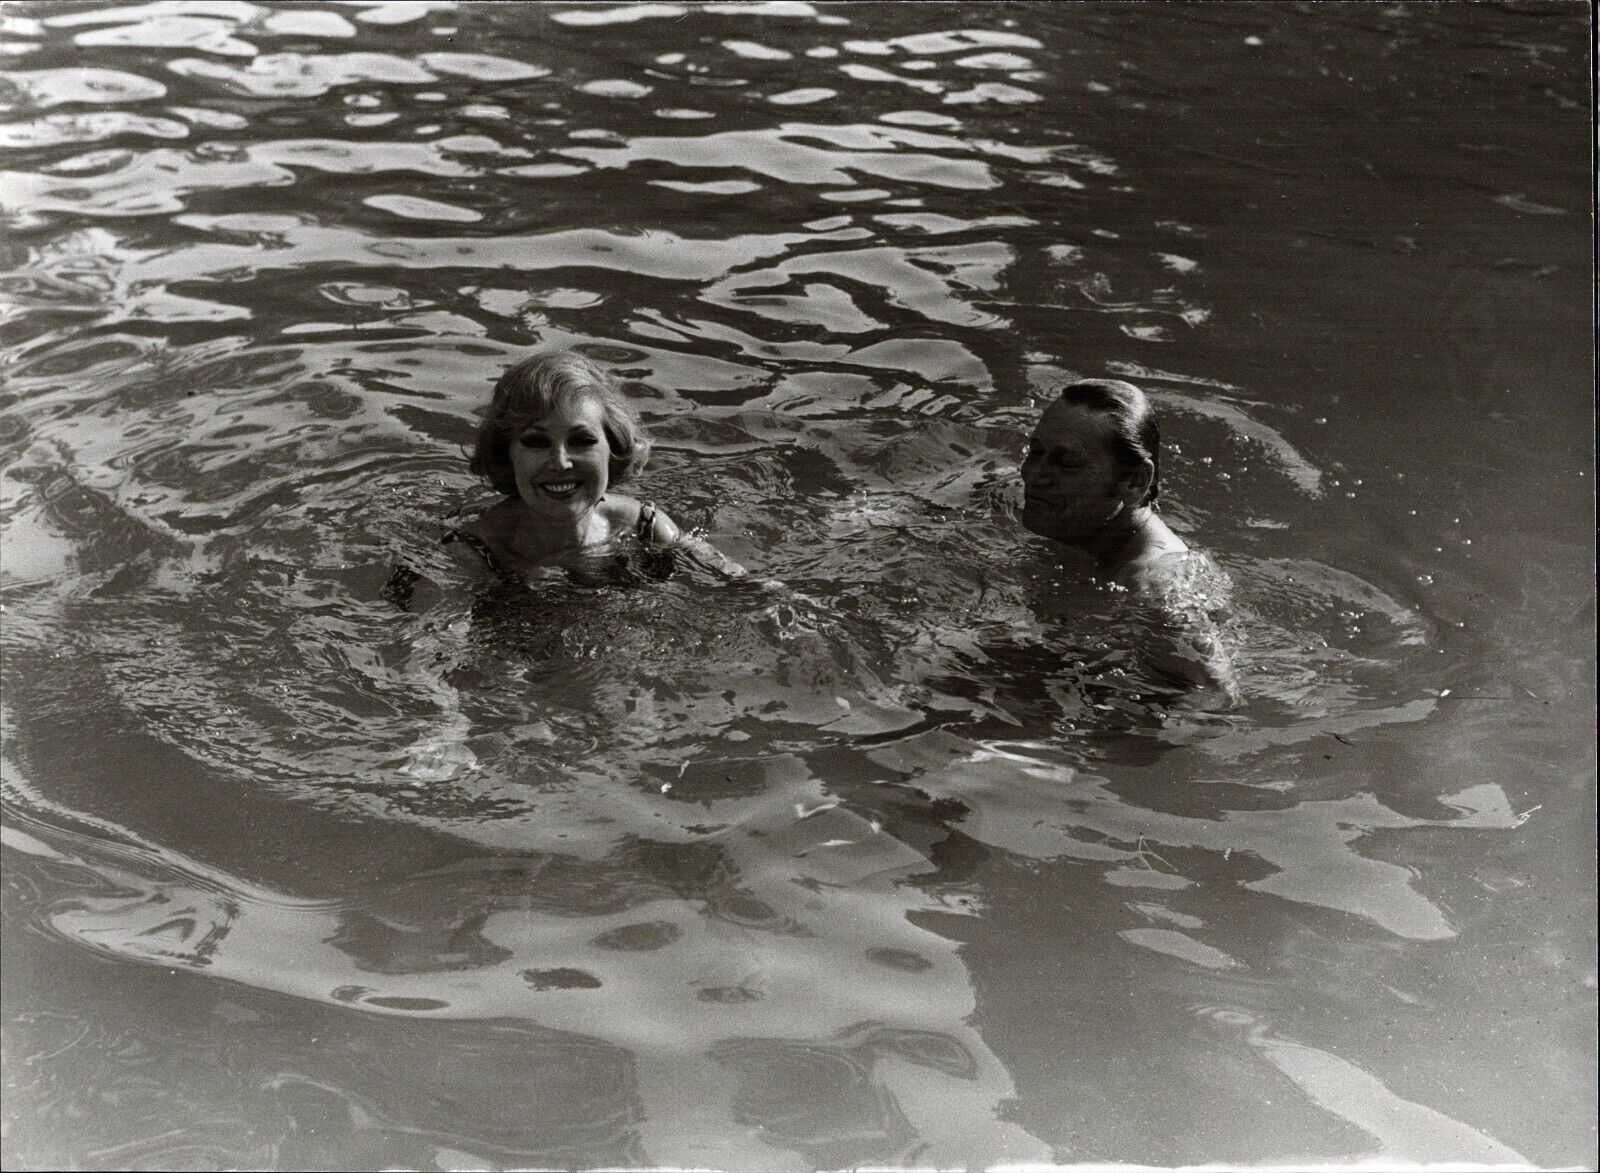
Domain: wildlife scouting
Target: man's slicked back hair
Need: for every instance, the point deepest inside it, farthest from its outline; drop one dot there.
(1135, 437)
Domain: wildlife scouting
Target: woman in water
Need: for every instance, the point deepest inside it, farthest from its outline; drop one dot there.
(1092, 481)
(557, 440)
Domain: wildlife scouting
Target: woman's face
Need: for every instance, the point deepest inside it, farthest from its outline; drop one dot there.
(562, 460)
(1072, 486)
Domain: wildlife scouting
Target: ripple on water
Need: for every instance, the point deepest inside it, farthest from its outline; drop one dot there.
(951, 41)
(175, 32)
(706, 855)
(594, 17)
(43, 88)
(417, 208)
(783, 156)
(802, 97)
(615, 87)
(303, 75)
(59, 129)
(481, 66)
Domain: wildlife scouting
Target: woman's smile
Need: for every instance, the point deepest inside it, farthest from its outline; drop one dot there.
(561, 460)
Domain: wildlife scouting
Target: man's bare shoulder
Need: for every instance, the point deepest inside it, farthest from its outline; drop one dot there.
(1176, 574)
(1188, 599)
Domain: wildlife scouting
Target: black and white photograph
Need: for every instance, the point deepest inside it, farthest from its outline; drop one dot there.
(782, 587)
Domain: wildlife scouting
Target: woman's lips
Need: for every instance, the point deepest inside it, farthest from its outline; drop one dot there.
(559, 489)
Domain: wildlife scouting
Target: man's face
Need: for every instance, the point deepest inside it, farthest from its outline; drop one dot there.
(1072, 486)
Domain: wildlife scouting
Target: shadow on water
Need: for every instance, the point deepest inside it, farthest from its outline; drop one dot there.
(907, 862)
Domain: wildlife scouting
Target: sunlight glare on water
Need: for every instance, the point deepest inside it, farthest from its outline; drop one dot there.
(906, 865)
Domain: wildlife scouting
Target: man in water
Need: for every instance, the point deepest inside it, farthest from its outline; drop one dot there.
(1091, 481)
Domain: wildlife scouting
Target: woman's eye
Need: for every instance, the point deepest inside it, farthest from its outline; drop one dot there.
(536, 441)
(583, 440)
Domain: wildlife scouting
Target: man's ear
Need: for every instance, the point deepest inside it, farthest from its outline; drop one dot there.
(1138, 481)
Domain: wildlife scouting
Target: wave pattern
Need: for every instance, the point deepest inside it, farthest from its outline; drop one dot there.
(863, 875)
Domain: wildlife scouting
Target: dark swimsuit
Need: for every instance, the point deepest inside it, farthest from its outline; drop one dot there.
(653, 561)
(644, 533)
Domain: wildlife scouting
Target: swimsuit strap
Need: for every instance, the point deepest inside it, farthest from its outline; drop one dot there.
(646, 530)
(401, 586)
(477, 544)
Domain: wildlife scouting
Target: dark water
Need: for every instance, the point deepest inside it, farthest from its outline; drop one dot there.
(901, 870)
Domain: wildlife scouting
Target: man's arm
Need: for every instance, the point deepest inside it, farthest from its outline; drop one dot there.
(1193, 660)
(1183, 644)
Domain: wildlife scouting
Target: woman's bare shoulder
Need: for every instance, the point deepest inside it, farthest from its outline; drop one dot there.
(623, 514)
(620, 510)
(663, 530)
(480, 537)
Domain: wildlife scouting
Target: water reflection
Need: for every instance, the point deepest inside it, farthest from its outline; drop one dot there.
(727, 1005)
(908, 868)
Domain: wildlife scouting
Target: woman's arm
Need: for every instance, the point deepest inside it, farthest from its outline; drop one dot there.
(440, 752)
(437, 643)
(665, 532)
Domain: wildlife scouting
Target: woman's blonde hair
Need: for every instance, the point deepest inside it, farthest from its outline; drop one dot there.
(530, 390)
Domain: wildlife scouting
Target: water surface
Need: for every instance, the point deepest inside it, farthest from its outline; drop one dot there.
(906, 868)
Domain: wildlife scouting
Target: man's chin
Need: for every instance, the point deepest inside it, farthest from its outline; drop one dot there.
(1043, 522)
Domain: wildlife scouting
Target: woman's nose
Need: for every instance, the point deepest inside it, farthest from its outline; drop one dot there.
(560, 456)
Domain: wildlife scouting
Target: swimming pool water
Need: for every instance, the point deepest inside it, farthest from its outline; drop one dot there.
(903, 868)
